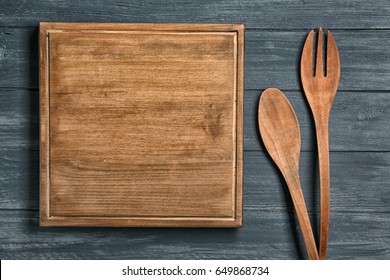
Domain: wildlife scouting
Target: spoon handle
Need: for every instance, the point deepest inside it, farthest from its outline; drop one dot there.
(303, 217)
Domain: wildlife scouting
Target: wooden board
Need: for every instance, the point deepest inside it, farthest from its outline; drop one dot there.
(141, 124)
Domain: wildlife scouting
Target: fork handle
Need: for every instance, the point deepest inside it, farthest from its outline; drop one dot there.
(322, 132)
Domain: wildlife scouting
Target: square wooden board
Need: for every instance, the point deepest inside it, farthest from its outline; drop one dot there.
(141, 124)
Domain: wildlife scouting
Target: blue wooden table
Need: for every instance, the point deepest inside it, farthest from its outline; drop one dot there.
(276, 29)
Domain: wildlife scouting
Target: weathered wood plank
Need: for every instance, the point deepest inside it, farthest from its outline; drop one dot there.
(359, 120)
(265, 235)
(19, 118)
(271, 60)
(19, 57)
(19, 179)
(359, 181)
(260, 14)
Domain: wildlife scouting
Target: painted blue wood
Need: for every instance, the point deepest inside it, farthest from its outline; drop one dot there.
(276, 29)
(266, 235)
(265, 14)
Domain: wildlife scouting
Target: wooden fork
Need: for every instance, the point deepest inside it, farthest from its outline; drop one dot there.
(320, 90)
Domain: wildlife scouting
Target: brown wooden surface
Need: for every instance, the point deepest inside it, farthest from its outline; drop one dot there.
(320, 89)
(281, 136)
(141, 125)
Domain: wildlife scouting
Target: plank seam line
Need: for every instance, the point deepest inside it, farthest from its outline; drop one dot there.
(281, 211)
(334, 151)
(340, 90)
(4, 149)
(308, 29)
(20, 88)
(248, 28)
(246, 89)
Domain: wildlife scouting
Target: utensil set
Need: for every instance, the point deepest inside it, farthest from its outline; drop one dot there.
(279, 130)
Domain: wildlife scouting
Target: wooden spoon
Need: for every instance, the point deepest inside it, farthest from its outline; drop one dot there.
(279, 130)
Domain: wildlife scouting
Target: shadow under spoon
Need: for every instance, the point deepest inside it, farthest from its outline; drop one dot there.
(280, 132)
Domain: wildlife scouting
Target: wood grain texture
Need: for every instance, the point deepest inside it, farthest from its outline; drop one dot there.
(274, 59)
(265, 236)
(264, 187)
(273, 14)
(19, 119)
(19, 179)
(271, 59)
(19, 66)
(141, 125)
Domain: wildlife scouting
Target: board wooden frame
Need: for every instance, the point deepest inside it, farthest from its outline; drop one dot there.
(46, 217)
